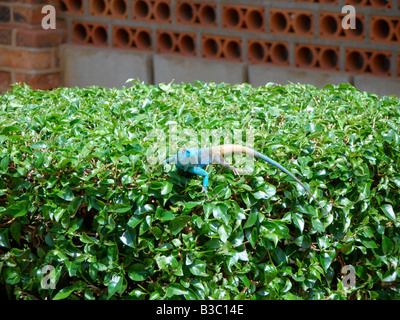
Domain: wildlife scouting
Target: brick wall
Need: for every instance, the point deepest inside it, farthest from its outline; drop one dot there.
(300, 37)
(28, 53)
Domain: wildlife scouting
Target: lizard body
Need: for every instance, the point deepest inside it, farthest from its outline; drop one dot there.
(194, 160)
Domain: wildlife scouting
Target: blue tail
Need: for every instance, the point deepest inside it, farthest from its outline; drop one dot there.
(283, 169)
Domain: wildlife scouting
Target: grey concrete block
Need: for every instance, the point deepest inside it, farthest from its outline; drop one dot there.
(260, 75)
(85, 66)
(183, 69)
(378, 85)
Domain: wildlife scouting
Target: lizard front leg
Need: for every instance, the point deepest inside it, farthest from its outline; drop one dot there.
(201, 172)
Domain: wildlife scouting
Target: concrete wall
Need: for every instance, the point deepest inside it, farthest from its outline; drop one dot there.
(85, 66)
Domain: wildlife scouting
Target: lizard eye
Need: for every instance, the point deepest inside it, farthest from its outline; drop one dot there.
(187, 153)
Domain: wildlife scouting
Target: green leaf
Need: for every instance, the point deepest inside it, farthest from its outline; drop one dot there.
(64, 293)
(388, 211)
(18, 209)
(39, 145)
(368, 243)
(298, 221)
(221, 191)
(129, 238)
(121, 207)
(134, 221)
(126, 179)
(223, 235)
(318, 225)
(66, 194)
(116, 285)
(279, 256)
(4, 162)
(157, 232)
(260, 195)
(252, 236)
(167, 188)
(4, 241)
(326, 259)
(177, 224)
(303, 241)
(145, 225)
(269, 191)
(198, 268)
(220, 212)
(138, 272)
(74, 205)
(176, 289)
(86, 239)
(251, 220)
(387, 245)
(15, 230)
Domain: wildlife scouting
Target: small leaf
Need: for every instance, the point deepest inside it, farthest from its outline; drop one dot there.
(326, 259)
(74, 205)
(167, 188)
(39, 145)
(222, 233)
(4, 241)
(177, 224)
(252, 219)
(388, 211)
(18, 209)
(176, 289)
(129, 238)
(220, 212)
(115, 285)
(138, 272)
(126, 179)
(298, 221)
(64, 293)
(134, 221)
(4, 162)
(368, 243)
(157, 232)
(66, 194)
(318, 225)
(198, 268)
(252, 236)
(387, 245)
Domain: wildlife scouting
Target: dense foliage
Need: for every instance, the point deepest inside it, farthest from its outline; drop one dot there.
(88, 209)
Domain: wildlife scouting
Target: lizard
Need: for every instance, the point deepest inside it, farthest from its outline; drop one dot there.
(194, 160)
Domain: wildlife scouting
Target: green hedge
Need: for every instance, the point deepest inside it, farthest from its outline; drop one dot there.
(89, 211)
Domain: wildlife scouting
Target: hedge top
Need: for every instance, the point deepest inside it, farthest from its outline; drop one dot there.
(84, 193)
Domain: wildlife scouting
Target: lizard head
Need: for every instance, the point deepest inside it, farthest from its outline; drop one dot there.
(187, 158)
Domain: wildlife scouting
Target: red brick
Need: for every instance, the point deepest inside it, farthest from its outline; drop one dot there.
(38, 38)
(30, 60)
(5, 14)
(40, 81)
(28, 15)
(5, 81)
(5, 58)
(5, 35)
(5, 78)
